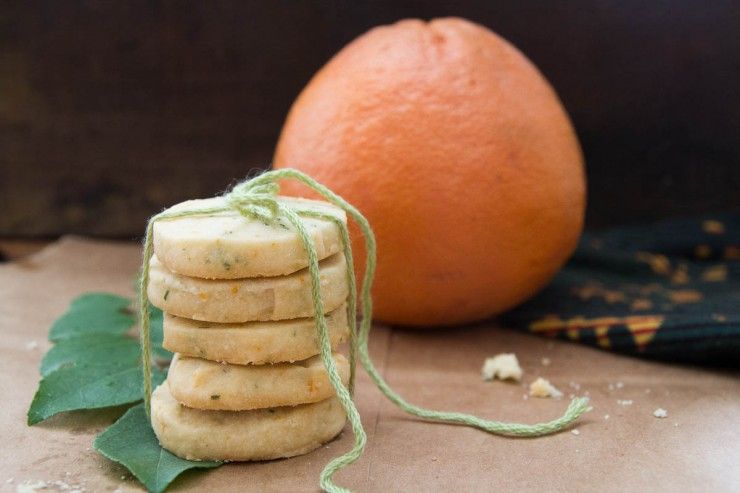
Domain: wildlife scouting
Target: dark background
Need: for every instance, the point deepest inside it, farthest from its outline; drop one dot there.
(111, 110)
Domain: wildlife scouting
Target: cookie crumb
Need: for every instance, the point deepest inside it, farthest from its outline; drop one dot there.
(29, 486)
(575, 431)
(504, 366)
(31, 345)
(543, 388)
(625, 402)
(660, 413)
(546, 361)
(606, 416)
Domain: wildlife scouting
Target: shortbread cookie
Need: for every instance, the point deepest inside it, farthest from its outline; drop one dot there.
(252, 342)
(260, 434)
(249, 299)
(230, 246)
(204, 384)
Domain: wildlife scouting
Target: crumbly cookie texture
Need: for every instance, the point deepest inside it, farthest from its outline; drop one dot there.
(660, 413)
(249, 299)
(260, 434)
(228, 245)
(252, 342)
(203, 384)
(504, 366)
(543, 388)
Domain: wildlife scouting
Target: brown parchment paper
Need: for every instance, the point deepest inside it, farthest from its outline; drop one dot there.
(697, 448)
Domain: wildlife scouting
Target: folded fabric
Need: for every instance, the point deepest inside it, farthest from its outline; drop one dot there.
(669, 290)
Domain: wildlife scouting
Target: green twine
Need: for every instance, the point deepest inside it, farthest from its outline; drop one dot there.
(257, 198)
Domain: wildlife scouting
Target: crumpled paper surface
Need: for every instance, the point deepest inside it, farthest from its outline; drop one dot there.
(696, 448)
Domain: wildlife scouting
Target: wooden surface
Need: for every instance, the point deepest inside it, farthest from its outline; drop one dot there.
(17, 249)
(111, 110)
(694, 449)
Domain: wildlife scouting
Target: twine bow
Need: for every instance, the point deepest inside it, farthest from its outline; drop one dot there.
(254, 199)
(257, 198)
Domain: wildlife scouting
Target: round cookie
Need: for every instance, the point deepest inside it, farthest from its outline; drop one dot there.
(260, 434)
(230, 246)
(252, 342)
(203, 384)
(249, 299)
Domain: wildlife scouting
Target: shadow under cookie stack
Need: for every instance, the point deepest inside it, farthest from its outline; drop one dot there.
(247, 381)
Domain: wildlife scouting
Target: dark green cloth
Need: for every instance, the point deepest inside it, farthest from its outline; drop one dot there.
(669, 290)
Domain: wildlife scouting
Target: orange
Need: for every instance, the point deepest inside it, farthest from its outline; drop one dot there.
(460, 155)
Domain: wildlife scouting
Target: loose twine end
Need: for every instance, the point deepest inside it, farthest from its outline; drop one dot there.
(257, 198)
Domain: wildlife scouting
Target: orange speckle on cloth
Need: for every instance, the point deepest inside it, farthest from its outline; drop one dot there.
(681, 275)
(685, 296)
(713, 227)
(641, 304)
(716, 273)
(659, 263)
(702, 252)
(732, 253)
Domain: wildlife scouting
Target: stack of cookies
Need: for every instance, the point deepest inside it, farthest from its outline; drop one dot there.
(246, 382)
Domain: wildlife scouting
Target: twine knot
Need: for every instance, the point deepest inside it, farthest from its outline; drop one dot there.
(255, 198)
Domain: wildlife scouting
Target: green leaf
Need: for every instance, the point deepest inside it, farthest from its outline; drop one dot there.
(88, 386)
(131, 442)
(91, 350)
(93, 313)
(95, 365)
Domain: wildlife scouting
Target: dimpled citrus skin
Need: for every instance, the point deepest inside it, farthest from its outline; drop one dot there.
(460, 155)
